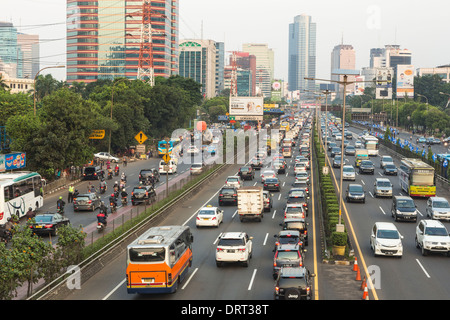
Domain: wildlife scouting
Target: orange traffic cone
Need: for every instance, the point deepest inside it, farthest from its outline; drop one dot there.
(355, 265)
(358, 275)
(363, 284)
(366, 293)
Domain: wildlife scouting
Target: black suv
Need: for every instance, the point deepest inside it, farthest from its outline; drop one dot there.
(228, 195)
(287, 237)
(294, 284)
(287, 256)
(141, 194)
(145, 173)
(297, 224)
(246, 173)
(93, 173)
(257, 163)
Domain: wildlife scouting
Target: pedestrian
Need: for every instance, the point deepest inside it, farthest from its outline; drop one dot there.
(70, 195)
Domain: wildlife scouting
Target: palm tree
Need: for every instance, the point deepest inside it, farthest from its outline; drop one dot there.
(3, 85)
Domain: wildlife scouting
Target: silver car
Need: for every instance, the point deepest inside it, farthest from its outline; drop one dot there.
(438, 208)
(348, 173)
(382, 188)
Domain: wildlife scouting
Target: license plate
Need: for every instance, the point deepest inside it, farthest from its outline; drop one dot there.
(230, 250)
(205, 218)
(148, 280)
(38, 227)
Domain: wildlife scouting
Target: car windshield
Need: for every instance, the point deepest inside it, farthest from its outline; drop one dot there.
(355, 188)
(297, 194)
(139, 190)
(366, 163)
(387, 159)
(436, 231)
(232, 180)
(390, 166)
(271, 180)
(82, 198)
(288, 239)
(231, 242)
(348, 169)
(288, 255)
(441, 204)
(295, 225)
(244, 169)
(405, 204)
(196, 166)
(383, 184)
(388, 234)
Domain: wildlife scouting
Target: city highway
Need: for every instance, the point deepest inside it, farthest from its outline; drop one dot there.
(412, 277)
(205, 280)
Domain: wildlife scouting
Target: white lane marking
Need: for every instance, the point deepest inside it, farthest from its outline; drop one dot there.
(188, 280)
(423, 269)
(251, 281)
(265, 239)
(382, 210)
(113, 290)
(274, 211)
(371, 194)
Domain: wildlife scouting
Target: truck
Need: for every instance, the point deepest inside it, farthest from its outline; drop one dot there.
(250, 203)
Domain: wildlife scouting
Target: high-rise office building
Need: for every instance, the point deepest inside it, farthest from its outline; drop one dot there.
(343, 57)
(104, 36)
(264, 66)
(198, 62)
(10, 52)
(220, 66)
(302, 54)
(29, 45)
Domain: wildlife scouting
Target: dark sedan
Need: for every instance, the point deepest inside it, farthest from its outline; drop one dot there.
(355, 192)
(247, 173)
(48, 223)
(88, 201)
(228, 195)
(335, 151)
(257, 163)
(390, 169)
(367, 166)
(272, 184)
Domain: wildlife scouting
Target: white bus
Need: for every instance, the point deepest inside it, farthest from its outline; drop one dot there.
(19, 191)
(371, 144)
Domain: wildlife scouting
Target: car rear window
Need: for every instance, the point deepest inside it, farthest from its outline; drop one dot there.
(231, 242)
(89, 170)
(288, 255)
(147, 254)
(43, 219)
(227, 191)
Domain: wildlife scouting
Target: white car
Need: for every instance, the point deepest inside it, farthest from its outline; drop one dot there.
(386, 240)
(267, 174)
(235, 181)
(234, 247)
(438, 208)
(300, 166)
(348, 173)
(196, 168)
(209, 217)
(294, 211)
(432, 236)
(106, 156)
(170, 168)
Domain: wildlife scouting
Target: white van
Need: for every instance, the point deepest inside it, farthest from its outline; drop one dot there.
(171, 166)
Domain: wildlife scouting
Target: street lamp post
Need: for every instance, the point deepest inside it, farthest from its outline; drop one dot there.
(344, 82)
(34, 84)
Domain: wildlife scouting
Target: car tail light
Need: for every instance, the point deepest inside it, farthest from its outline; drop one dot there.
(48, 226)
(265, 184)
(241, 250)
(276, 184)
(221, 195)
(219, 250)
(90, 201)
(169, 277)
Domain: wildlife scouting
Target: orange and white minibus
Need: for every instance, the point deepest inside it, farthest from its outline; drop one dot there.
(159, 260)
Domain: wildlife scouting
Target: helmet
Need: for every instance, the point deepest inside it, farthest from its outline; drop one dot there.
(60, 197)
(112, 194)
(123, 189)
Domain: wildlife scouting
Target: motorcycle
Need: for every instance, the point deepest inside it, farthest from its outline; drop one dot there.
(124, 201)
(116, 172)
(60, 210)
(113, 207)
(5, 235)
(102, 189)
(109, 175)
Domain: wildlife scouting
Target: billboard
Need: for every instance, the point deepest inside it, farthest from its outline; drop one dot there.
(383, 89)
(11, 161)
(276, 90)
(359, 86)
(405, 81)
(246, 106)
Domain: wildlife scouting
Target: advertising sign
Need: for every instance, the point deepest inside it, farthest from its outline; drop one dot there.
(405, 81)
(246, 106)
(97, 134)
(11, 161)
(276, 90)
(359, 86)
(383, 88)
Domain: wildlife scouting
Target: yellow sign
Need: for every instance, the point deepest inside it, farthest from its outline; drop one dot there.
(97, 134)
(141, 137)
(166, 158)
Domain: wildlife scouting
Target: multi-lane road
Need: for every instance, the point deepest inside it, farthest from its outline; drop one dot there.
(413, 277)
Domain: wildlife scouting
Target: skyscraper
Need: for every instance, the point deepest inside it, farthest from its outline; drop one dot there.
(343, 57)
(29, 45)
(10, 51)
(264, 65)
(104, 36)
(302, 53)
(198, 62)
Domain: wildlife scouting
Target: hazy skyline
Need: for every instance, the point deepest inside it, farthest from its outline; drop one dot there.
(415, 25)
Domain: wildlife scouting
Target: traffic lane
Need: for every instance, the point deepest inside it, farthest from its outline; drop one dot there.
(116, 287)
(378, 209)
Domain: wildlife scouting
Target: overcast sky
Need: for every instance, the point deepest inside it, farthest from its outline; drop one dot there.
(421, 26)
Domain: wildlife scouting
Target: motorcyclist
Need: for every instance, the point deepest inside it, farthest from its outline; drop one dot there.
(116, 170)
(113, 201)
(150, 181)
(103, 208)
(30, 214)
(124, 195)
(101, 218)
(60, 205)
(102, 185)
(123, 177)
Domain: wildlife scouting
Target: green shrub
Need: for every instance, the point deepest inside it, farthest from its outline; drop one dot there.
(339, 238)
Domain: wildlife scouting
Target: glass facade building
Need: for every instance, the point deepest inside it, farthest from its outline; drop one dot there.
(103, 38)
(10, 51)
(302, 54)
